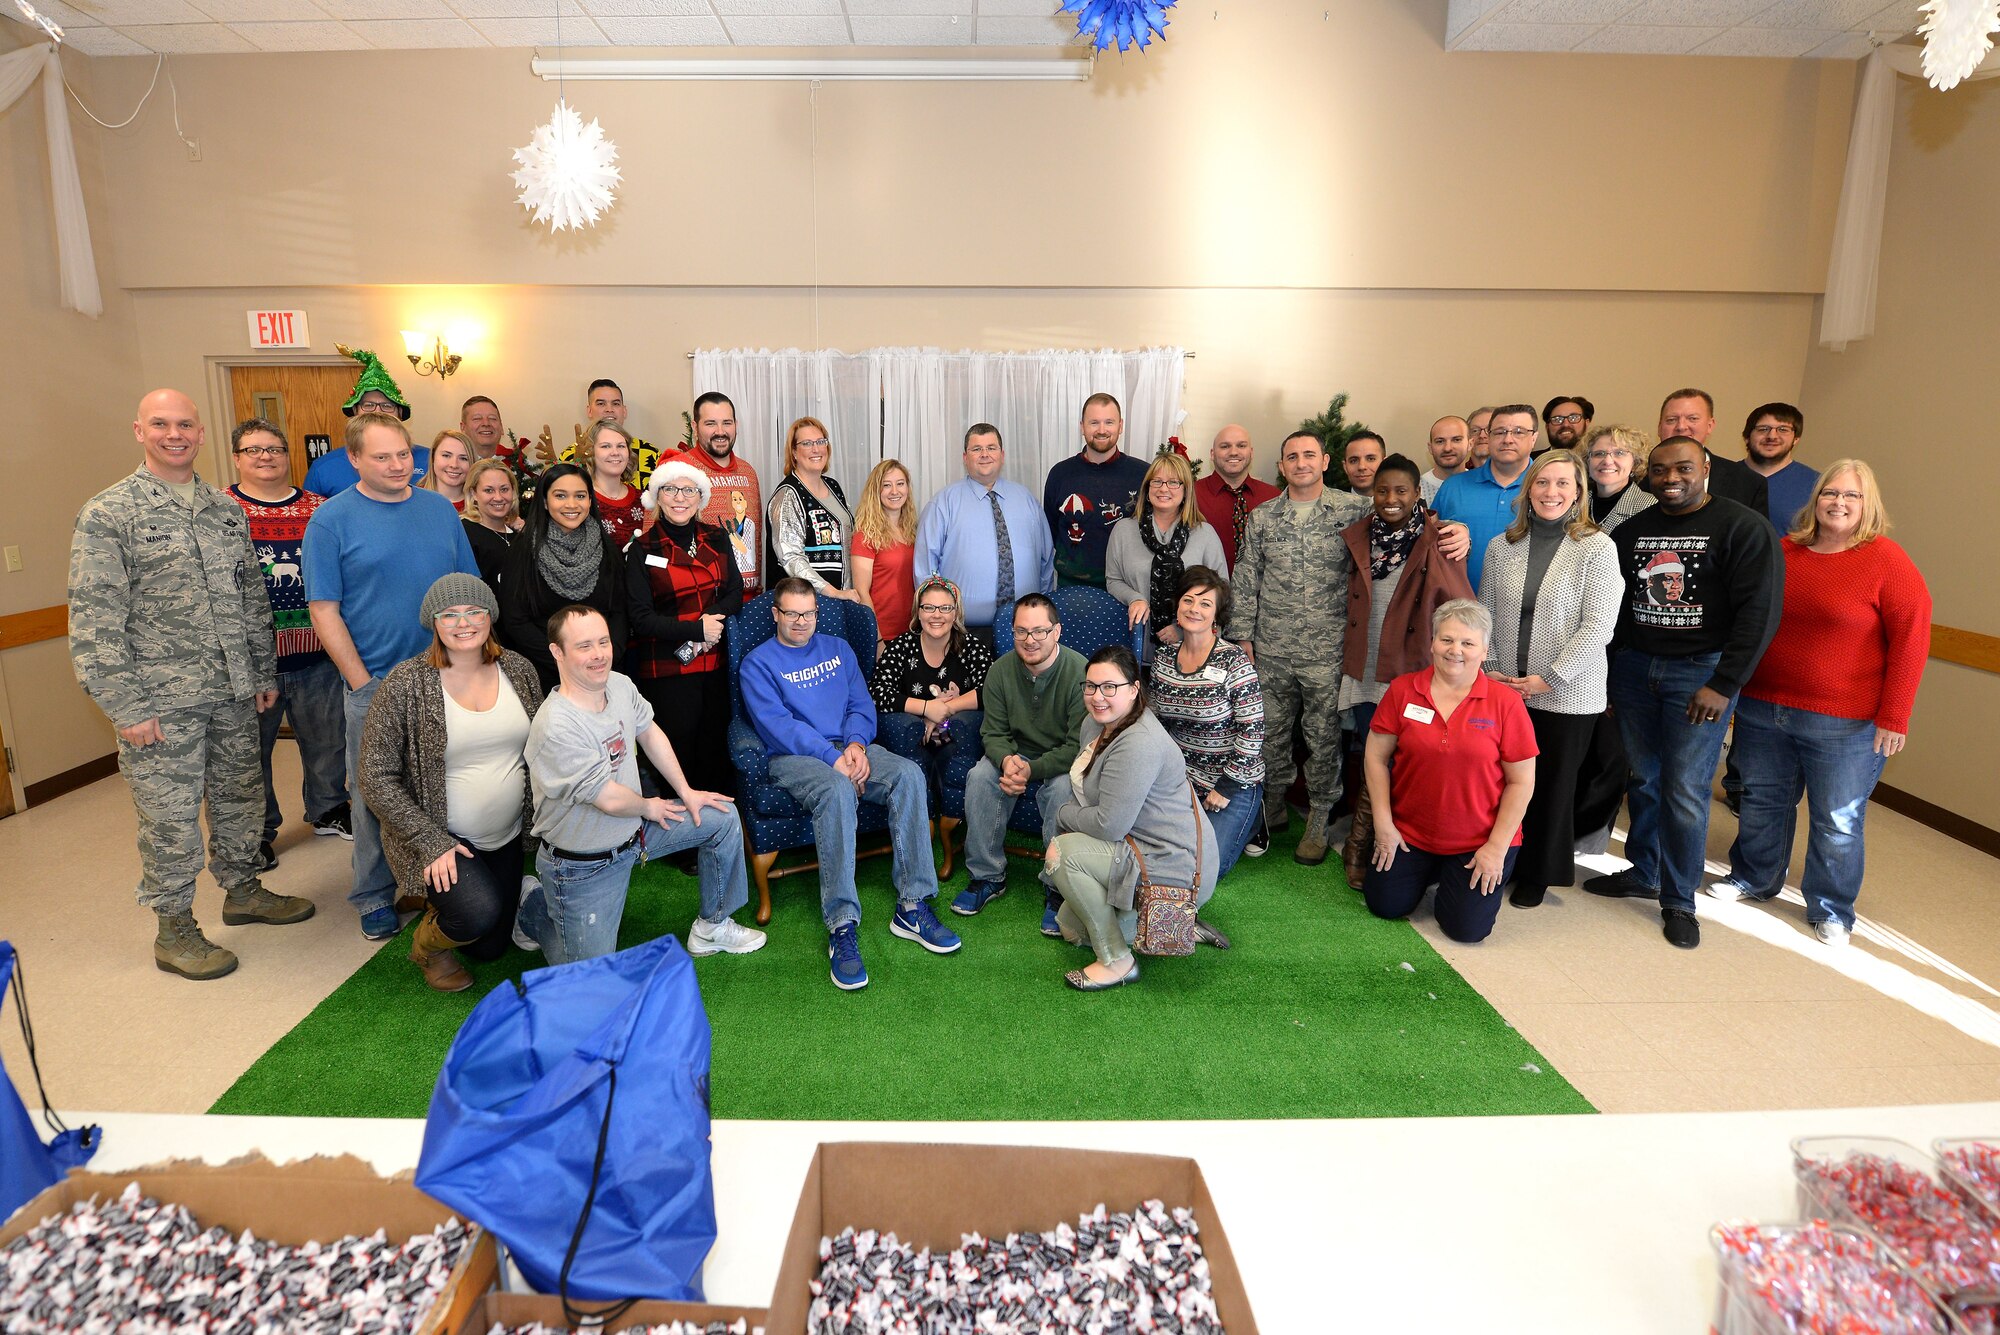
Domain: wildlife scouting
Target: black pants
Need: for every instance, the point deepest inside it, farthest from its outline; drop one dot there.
(693, 710)
(1548, 827)
(479, 910)
(1601, 777)
(1462, 912)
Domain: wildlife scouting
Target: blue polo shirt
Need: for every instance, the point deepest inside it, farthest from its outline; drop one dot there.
(1484, 506)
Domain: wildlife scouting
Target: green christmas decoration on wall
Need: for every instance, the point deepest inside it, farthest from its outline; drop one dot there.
(1334, 431)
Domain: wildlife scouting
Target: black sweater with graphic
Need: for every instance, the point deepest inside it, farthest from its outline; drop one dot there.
(1709, 581)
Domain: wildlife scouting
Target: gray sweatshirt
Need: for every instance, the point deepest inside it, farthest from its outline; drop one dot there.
(573, 753)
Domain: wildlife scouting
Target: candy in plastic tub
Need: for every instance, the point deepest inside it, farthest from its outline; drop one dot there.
(1896, 1191)
(1818, 1278)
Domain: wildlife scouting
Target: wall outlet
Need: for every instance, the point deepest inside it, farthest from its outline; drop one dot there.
(13, 559)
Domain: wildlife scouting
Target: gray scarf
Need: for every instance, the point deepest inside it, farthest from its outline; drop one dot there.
(572, 559)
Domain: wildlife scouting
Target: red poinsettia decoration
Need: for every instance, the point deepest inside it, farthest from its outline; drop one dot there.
(1174, 446)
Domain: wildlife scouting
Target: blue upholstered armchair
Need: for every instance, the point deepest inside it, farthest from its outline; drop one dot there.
(772, 820)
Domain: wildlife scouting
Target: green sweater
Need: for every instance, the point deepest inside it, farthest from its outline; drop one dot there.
(1038, 718)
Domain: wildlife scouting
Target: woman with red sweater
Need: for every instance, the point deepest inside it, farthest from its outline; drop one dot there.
(1853, 598)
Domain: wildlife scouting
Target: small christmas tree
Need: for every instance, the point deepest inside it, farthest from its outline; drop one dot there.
(1334, 431)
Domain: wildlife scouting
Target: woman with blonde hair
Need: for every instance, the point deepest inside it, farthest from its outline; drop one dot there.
(1150, 550)
(612, 461)
(1553, 586)
(1852, 596)
(451, 458)
(1615, 458)
(885, 550)
(492, 516)
(810, 519)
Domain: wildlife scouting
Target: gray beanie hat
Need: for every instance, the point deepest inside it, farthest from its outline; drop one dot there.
(457, 590)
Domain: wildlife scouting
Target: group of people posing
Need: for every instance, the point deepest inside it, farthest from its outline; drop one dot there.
(1486, 657)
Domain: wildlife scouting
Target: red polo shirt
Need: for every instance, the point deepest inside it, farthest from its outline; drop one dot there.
(1218, 506)
(1445, 779)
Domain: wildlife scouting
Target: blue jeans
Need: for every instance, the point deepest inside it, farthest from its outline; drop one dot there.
(575, 914)
(374, 885)
(1234, 824)
(1673, 768)
(987, 811)
(311, 697)
(830, 797)
(1785, 754)
(936, 760)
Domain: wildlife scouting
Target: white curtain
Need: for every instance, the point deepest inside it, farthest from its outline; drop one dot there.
(1848, 310)
(771, 390)
(75, 264)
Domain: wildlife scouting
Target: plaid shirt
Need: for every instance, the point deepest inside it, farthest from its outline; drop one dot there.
(682, 587)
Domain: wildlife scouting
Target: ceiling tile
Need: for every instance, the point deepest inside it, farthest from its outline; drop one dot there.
(1786, 42)
(1694, 13)
(1526, 36)
(323, 36)
(1634, 40)
(417, 34)
(119, 13)
(186, 38)
(1903, 16)
(1049, 30)
(730, 8)
(638, 9)
(962, 7)
(387, 9)
(64, 16)
(1847, 46)
(103, 42)
(262, 11)
(913, 30)
(1022, 9)
(1836, 14)
(1562, 11)
(511, 9)
(665, 31)
(788, 30)
(540, 32)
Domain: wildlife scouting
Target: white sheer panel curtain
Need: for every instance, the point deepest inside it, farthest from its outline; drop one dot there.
(771, 390)
(76, 265)
(1848, 310)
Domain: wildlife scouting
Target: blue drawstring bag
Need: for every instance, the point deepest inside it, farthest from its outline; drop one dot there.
(571, 1119)
(28, 1167)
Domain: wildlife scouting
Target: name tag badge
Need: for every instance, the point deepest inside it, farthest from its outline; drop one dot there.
(1214, 672)
(1419, 713)
(654, 559)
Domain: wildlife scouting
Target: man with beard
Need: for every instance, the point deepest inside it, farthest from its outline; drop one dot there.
(1567, 420)
(735, 499)
(1089, 492)
(1770, 433)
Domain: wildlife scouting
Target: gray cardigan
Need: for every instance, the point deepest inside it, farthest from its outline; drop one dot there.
(402, 763)
(1139, 786)
(1576, 609)
(1128, 563)
(1634, 499)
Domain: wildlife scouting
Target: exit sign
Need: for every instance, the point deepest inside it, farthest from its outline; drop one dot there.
(278, 329)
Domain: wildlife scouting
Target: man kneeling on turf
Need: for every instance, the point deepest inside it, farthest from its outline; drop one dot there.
(809, 700)
(592, 819)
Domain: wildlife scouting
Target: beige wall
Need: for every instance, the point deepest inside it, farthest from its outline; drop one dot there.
(1916, 401)
(73, 383)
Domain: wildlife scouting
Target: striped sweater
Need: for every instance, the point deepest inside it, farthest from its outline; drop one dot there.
(1214, 714)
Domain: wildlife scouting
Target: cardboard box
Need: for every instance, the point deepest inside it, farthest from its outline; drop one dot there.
(312, 1200)
(519, 1309)
(931, 1195)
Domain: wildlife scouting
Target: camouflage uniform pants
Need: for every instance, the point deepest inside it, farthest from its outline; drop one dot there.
(211, 753)
(1307, 694)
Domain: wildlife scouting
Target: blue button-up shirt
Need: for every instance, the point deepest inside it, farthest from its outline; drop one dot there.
(1481, 504)
(955, 539)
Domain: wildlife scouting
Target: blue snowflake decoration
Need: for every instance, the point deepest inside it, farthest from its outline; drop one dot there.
(1127, 22)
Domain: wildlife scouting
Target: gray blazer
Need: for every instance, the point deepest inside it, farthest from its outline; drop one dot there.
(1635, 499)
(1139, 786)
(1576, 609)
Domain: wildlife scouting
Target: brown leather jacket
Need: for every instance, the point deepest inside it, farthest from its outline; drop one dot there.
(1429, 582)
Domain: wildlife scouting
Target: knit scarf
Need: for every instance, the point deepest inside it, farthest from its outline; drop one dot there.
(571, 559)
(1166, 568)
(1389, 547)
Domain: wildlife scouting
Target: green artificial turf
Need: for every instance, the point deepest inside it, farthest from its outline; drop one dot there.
(1319, 1011)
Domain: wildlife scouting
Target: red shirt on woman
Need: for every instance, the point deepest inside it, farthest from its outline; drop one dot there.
(1854, 635)
(893, 586)
(622, 519)
(1445, 778)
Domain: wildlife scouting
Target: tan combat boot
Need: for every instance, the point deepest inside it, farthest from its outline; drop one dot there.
(1312, 845)
(181, 948)
(431, 951)
(253, 903)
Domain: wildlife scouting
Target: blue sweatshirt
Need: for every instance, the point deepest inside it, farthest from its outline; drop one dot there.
(810, 701)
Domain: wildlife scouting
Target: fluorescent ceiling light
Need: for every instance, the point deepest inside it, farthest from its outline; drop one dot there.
(824, 70)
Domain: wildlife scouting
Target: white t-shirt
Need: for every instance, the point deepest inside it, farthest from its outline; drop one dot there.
(483, 782)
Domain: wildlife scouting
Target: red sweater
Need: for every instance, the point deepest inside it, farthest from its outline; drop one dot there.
(1855, 633)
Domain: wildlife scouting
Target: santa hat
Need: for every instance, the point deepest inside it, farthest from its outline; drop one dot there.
(1666, 563)
(675, 470)
(373, 376)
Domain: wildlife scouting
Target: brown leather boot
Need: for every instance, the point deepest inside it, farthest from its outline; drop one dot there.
(431, 950)
(1359, 849)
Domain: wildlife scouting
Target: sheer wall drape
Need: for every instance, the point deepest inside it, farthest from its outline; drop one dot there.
(75, 264)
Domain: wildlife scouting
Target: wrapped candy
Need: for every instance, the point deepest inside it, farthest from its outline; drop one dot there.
(1951, 1243)
(1818, 1279)
(1973, 1166)
(737, 1327)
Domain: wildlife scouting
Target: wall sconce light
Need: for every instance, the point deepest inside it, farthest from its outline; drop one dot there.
(441, 362)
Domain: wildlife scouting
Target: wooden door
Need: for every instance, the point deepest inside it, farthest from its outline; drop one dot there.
(304, 400)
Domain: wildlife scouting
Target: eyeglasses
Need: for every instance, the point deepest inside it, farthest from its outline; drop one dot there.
(937, 609)
(1851, 497)
(265, 451)
(796, 617)
(1505, 431)
(1565, 419)
(681, 492)
(1605, 456)
(1103, 687)
(463, 616)
(1173, 482)
(1038, 634)
(808, 444)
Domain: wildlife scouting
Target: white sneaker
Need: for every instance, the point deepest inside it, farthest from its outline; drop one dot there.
(1830, 932)
(728, 936)
(529, 885)
(1726, 891)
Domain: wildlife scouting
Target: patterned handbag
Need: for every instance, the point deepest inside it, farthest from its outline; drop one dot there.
(1166, 912)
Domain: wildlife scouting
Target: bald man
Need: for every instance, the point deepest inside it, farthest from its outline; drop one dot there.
(170, 633)
(1227, 493)
(1450, 446)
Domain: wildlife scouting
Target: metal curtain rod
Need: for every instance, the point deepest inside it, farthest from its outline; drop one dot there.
(1187, 355)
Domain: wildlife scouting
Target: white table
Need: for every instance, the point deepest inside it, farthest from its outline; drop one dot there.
(1496, 1224)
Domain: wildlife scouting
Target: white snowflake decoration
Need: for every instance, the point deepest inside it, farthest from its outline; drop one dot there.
(567, 177)
(1957, 35)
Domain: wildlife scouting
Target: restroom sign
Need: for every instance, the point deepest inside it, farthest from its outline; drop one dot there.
(278, 329)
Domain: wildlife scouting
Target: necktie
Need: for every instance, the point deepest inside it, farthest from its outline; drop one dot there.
(1003, 579)
(1239, 511)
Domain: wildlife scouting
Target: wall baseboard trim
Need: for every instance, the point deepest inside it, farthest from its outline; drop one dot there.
(1982, 837)
(89, 772)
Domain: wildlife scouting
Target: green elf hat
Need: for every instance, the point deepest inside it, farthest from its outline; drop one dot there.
(373, 376)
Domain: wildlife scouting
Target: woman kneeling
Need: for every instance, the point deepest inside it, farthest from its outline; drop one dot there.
(1451, 765)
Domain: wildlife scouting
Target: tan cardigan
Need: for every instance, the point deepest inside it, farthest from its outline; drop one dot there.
(402, 763)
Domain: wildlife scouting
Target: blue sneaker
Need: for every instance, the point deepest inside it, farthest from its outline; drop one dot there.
(1051, 901)
(844, 949)
(380, 924)
(915, 922)
(977, 896)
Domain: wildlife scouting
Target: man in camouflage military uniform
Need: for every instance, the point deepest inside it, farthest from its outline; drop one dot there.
(170, 633)
(1290, 584)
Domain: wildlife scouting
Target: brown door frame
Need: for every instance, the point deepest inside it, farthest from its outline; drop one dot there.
(216, 371)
